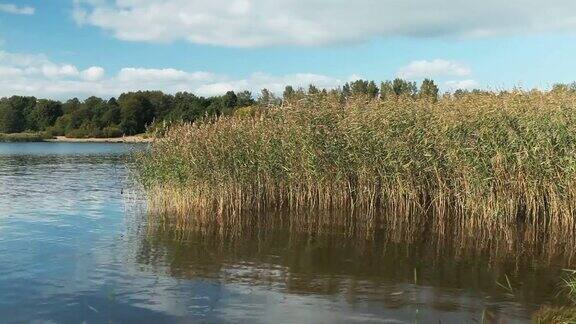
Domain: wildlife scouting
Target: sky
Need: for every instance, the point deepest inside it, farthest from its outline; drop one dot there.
(77, 48)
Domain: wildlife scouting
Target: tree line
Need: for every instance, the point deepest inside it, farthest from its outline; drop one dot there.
(134, 112)
(131, 113)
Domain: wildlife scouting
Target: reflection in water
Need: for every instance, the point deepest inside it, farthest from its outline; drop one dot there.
(381, 278)
(74, 248)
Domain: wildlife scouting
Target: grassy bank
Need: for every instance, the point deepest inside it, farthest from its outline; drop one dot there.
(561, 315)
(24, 137)
(475, 164)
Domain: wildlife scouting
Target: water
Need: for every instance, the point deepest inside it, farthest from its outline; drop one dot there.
(75, 247)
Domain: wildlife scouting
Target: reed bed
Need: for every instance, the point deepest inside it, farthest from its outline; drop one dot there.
(480, 165)
(24, 137)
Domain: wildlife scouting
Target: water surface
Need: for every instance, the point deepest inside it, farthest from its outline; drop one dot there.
(75, 247)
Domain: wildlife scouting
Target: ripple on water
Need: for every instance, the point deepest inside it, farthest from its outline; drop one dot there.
(72, 251)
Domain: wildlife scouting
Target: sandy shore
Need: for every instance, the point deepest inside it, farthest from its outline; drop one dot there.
(125, 139)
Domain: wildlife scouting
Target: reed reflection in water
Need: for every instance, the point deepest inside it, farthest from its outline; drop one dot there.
(350, 275)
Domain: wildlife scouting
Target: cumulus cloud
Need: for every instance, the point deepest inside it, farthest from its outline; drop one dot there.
(247, 23)
(37, 75)
(468, 84)
(276, 84)
(93, 73)
(34, 65)
(14, 9)
(55, 71)
(432, 69)
(163, 75)
(23, 74)
(440, 70)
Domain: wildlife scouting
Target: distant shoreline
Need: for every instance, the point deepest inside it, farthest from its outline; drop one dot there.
(124, 139)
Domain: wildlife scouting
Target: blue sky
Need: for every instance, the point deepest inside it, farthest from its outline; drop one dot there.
(65, 48)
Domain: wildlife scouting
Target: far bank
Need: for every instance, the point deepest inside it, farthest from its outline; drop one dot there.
(39, 137)
(124, 139)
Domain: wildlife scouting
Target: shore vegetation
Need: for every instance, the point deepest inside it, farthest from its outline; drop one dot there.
(492, 167)
(25, 137)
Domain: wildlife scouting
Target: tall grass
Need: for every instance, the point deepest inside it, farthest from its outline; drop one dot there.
(474, 165)
(561, 315)
(24, 137)
(571, 285)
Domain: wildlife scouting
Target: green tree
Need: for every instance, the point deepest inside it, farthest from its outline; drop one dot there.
(359, 87)
(45, 114)
(362, 87)
(188, 107)
(80, 116)
(11, 118)
(161, 103)
(71, 105)
(136, 113)
(244, 99)
(267, 98)
(428, 90)
(387, 90)
(289, 93)
(402, 87)
(62, 126)
(312, 89)
(112, 114)
(564, 87)
(26, 106)
(97, 107)
(230, 100)
(372, 89)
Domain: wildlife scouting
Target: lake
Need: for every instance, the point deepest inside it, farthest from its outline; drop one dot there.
(75, 246)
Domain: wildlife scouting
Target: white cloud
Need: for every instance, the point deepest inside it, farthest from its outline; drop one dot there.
(55, 71)
(22, 59)
(36, 75)
(155, 75)
(7, 71)
(247, 23)
(93, 73)
(462, 84)
(432, 69)
(276, 84)
(34, 65)
(13, 9)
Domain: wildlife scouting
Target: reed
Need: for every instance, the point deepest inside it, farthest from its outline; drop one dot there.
(24, 137)
(571, 285)
(475, 164)
(561, 315)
